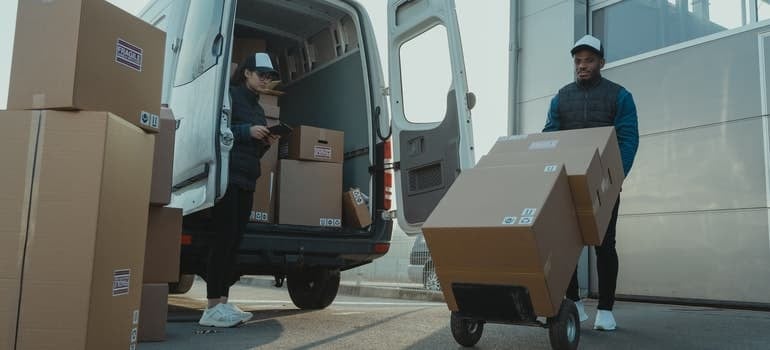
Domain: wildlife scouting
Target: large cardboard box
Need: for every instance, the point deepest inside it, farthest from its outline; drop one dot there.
(588, 181)
(88, 55)
(153, 313)
(355, 212)
(566, 146)
(164, 237)
(316, 144)
(84, 257)
(163, 163)
(503, 227)
(17, 156)
(309, 193)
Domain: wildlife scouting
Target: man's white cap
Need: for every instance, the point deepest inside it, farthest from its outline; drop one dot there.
(588, 42)
(260, 61)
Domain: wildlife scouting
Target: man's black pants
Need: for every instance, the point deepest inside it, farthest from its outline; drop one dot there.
(606, 266)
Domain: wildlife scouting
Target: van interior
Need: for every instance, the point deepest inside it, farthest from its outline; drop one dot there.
(316, 48)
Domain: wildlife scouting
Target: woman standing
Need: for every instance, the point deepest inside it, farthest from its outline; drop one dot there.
(231, 213)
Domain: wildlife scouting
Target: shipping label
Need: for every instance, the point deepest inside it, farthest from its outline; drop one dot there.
(149, 119)
(509, 220)
(322, 152)
(543, 144)
(330, 222)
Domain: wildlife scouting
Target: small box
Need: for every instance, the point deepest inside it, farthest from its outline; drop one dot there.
(309, 193)
(88, 55)
(355, 212)
(153, 313)
(163, 162)
(316, 144)
(163, 248)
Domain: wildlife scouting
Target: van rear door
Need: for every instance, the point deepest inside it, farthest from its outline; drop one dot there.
(198, 100)
(431, 119)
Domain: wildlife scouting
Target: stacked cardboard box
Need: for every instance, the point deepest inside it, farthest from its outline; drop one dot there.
(80, 174)
(316, 157)
(537, 199)
(263, 208)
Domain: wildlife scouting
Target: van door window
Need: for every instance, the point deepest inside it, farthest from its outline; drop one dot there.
(426, 76)
(197, 55)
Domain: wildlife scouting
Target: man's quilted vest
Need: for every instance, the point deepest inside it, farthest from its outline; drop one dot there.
(588, 106)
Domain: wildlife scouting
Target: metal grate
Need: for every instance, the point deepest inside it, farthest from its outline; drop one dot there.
(419, 257)
(425, 178)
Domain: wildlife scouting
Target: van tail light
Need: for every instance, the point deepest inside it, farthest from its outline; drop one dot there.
(381, 248)
(388, 176)
(186, 239)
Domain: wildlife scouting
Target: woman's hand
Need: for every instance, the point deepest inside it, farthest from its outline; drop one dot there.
(260, 132)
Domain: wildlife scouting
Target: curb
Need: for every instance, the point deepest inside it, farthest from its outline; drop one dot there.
(362, 290)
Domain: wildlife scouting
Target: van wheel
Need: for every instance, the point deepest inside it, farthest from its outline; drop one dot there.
(313, 289)
(466, 332)
(183, 286)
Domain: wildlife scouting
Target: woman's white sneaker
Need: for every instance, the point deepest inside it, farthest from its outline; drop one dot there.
(220, 316)
(605, 321)
(244, 315)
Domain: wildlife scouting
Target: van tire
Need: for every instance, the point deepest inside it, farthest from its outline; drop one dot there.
(182, 286)
(313, 289)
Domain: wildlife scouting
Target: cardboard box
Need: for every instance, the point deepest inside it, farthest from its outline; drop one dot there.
(586, 178)
(519, 229)
(355, 212)
(561, 146)
(268, 100)
(271, 111)
(163, 248)
(243, 47)
(163, 162)
(153, 313)
(84, 260)
(89, 55)
(19, 135)
(263, 208)
(311, 143)
(309, 193)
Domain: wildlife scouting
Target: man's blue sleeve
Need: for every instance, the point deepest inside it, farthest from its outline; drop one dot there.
(627, 128)
(552, 122)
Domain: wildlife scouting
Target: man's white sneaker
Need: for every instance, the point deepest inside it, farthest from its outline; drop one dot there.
(244, 315)
(581, 311)
(219, 316)
(605, 321)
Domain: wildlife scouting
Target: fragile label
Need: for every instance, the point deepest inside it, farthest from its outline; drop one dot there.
(322, 152)
(128, 55)
(259, 216)
(544, 144)
(509, 220)
(121, 281)
(526, 220)
(529, 212)
(550, 168)
(149, 119)
(330, 222)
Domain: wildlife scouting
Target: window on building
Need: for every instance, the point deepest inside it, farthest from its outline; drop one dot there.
(632, 27)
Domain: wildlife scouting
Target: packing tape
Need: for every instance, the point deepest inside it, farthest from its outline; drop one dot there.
(38, 101)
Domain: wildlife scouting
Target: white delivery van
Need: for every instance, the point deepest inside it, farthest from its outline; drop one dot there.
(326, 53)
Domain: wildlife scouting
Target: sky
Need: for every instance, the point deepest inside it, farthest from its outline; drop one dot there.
(484, 32)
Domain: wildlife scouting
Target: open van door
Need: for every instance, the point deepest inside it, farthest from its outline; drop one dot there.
(430, 105)
(198, 98)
